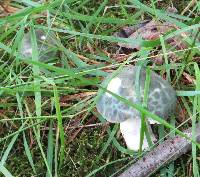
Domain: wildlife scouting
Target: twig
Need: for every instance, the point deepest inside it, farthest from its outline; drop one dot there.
(163, 154)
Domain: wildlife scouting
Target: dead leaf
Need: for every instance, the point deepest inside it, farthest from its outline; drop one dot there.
(189, 78)
(77, 96)
(148, 30)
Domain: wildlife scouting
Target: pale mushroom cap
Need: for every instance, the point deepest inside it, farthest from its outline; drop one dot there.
(161, 97)
(45, 43)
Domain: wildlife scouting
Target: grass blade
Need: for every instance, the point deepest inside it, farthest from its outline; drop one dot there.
(50, 148)
(60, 125)
(36, 73)
(5, 172)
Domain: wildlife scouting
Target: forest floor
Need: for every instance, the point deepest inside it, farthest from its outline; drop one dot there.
(49, 125)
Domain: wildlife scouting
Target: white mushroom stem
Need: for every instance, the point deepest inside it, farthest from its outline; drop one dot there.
(130, 130)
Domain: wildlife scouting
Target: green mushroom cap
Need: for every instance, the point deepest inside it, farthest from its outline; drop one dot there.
(46, 43)
(161, 97)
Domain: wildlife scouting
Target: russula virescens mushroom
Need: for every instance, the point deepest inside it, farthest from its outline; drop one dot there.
(161, 101)
(45, 43)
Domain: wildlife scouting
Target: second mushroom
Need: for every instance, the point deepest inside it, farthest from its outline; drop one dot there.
(161, 101)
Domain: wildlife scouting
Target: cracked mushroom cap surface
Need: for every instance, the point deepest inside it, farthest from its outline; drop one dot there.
(161, 96)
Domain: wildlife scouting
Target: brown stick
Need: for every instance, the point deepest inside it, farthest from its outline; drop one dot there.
(163, 154)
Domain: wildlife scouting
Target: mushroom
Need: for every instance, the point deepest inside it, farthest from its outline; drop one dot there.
(161, 101)
(45, 43)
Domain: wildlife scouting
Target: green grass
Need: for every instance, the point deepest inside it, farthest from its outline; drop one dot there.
(46, 127)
